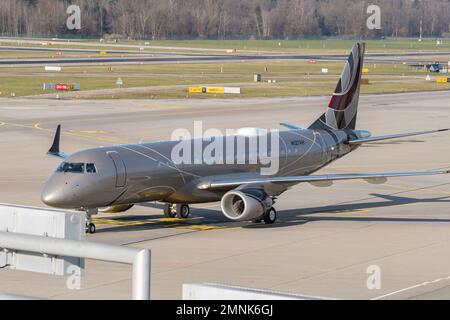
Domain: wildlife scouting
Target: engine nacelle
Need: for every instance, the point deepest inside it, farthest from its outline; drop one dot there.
(117, 209)
(245, 205)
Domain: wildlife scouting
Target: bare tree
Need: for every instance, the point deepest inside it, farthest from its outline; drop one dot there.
(224, 19)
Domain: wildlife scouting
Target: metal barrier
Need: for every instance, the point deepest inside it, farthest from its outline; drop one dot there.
(6, 297)
(139, 258)
(213, 291)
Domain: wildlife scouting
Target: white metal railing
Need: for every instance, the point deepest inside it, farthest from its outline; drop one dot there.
(140, 259)
(6, 296)
(214, 291)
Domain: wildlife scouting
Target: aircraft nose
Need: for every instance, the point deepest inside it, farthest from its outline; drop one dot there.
(52, 196)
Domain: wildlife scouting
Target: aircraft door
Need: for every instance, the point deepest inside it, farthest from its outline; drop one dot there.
(121, 171)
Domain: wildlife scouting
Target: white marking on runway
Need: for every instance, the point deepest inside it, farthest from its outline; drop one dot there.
(423, 284)
(23, 108)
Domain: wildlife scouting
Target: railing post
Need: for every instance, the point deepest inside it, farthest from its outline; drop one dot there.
(141, 275)
(139, 258)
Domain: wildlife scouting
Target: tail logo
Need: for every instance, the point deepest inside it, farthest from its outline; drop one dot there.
(343, 107)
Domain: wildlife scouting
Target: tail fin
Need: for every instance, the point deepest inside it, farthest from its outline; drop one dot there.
(343, 107)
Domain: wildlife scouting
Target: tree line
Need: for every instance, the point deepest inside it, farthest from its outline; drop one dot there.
(224, 19)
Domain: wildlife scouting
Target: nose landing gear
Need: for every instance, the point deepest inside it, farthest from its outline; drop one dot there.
(177, 210)
(90, 227)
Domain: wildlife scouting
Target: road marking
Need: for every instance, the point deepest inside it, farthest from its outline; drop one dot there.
(37, 126)
(18, 125)
(201, 227)
(167, 223)
(423, 284)
(159, 107)
(2, 124)
(92, 131)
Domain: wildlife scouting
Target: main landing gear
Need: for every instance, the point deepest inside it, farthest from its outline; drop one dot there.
(269, 217)
(90, 227)
(176, 210)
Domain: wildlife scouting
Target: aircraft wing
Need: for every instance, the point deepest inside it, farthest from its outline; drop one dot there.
(291, 126)
(393, 136)
(314, 179)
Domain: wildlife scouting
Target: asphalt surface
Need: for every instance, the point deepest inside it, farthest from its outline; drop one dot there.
(137, 57)
(325, 239)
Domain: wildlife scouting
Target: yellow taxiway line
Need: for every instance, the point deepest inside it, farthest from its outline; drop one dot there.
(167, 222)
(37, 126)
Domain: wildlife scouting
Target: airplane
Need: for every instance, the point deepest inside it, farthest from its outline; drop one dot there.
(115, 178)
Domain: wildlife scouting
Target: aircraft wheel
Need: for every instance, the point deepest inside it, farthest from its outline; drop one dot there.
(183, 211)
(168, 211)
(91, 228)
(270, 216)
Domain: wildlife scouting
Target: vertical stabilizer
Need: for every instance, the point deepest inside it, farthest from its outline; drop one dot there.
(343, 107)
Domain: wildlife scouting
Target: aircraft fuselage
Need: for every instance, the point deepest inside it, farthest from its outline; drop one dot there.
(129, 174)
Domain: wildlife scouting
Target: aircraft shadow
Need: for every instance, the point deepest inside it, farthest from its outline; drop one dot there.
(130, 222)
(305, 215)
(287, 218)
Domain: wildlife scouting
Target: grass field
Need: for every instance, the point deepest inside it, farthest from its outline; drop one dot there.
(17, 54)
(239, 68)
(293, 78)
(245, 69)
(317, 46)
(282, 90)
(33, 85)
(172, 80)
(341, 46)
(29, 81)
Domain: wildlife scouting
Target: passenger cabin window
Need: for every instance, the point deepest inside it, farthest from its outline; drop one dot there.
(77, 167)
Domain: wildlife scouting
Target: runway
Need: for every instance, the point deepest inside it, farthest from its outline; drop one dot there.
(139, 57)
(326, 238)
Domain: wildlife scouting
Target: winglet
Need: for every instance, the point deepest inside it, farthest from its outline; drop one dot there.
(55, 146)
(54, 150)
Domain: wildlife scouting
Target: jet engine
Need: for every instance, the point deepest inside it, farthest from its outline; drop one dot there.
(117, 209)
(245, 205)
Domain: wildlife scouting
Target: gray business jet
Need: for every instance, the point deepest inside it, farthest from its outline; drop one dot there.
(115, 178)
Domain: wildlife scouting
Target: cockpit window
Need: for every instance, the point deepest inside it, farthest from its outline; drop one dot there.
(90, 168)
(77, 167)
(71, 167)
